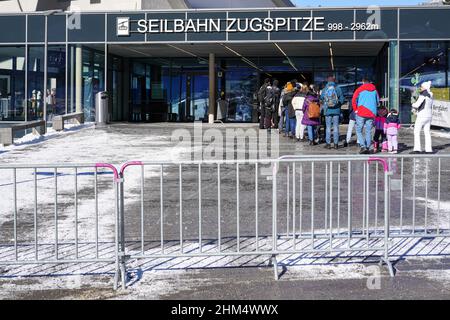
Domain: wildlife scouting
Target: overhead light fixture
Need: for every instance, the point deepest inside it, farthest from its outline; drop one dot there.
(136, 51)
(189, 53)
(331, 56)
(244, 59)
(286, 56)
(231, 50)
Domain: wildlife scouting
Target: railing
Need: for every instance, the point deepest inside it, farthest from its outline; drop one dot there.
(267, 208)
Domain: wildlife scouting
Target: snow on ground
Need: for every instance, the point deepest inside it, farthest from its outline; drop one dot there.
(149, 277)
(87, 146)
(155, 278)
(30, 138)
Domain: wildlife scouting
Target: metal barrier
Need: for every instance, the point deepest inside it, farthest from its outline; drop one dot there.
(232, 209)
(242, 216)
(40, 230)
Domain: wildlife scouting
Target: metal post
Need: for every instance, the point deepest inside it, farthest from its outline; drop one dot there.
(274, 219)
(55, 176)
(116, 238)
(256, 206)
(385, 259)
(219, 213)
(287, 198)
(212, 87)
(121, 221)
(238, 239)
(45, 66)
(200, 242)
(349, 202)
(15, 210)
(122, 233)
(142, 211)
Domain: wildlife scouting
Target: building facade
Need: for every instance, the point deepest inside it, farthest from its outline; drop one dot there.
(171, 64)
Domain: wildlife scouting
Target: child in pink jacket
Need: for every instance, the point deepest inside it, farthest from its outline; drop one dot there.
(391, 127)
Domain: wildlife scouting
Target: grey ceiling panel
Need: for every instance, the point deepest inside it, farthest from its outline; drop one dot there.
(311, 49)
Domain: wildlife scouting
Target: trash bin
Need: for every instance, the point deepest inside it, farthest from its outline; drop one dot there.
(101, 108)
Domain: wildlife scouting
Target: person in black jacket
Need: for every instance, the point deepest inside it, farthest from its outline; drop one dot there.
(261, 98)
(272, 100)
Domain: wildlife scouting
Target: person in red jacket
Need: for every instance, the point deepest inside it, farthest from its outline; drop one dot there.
(365, 102)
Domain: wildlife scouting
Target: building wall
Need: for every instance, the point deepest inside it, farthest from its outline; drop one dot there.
(103, 5)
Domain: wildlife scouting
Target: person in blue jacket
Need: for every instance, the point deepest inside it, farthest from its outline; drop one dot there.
(332, 100)
(365, 103)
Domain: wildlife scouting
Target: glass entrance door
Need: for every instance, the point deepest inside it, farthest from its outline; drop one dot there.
(190, 94)
(197, 96)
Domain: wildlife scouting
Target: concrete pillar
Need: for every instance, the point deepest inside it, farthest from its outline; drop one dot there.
(78, 79)
(212, 88)
(125, 108)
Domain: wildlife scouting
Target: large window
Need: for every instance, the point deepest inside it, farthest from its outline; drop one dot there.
(55, 97)
(86, 78)
(93, 79)
(35, 82)
(241, 84)
(12, 83)
(423, 61)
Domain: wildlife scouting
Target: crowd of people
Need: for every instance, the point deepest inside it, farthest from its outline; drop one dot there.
(300, 107)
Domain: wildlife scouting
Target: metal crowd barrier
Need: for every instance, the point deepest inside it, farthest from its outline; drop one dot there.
(36, 228)
(232, 209)
(212, 211)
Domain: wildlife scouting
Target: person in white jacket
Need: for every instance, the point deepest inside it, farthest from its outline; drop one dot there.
(423, 107)
(297, 103)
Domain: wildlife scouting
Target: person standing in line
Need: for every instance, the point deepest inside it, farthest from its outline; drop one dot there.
(423, 107)
(261, 97)
(332, 100)
(311, 114)
(351, 126)
(289, 111)
(281, 111)
(379, 138)
(391, 127)
(271, 101)
(297, 103)
(365, 102)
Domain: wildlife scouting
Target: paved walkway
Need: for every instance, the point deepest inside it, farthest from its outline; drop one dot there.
(423, 277)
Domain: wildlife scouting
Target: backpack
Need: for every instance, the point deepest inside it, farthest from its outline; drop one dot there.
(262, 93)
(330, 97)
(313, 110)
(269, 98)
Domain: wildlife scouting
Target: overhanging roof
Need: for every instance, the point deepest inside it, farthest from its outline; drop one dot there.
(301, 49)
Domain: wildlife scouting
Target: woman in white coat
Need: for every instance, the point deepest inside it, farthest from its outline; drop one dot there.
(423, 107)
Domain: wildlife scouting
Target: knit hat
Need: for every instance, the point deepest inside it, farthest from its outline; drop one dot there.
(426, 85)
(289, 86)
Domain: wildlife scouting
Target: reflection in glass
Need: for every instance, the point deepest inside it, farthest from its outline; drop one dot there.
(55, 97)
(241, 84)
(35, 93)
(422, 61)
(86, 79)
(12, 83)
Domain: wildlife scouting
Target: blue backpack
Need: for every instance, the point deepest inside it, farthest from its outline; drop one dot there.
(330, 98)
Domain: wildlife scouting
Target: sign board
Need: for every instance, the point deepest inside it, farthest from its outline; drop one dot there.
(253, 25)
(230, 25)
(123, 26)
(441, 113)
